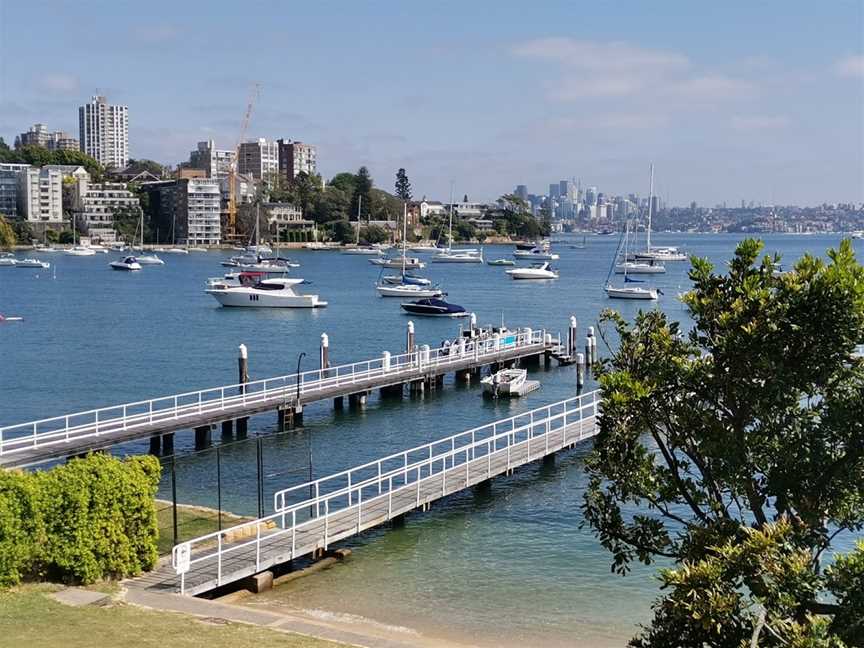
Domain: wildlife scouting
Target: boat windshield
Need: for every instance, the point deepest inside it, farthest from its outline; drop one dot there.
(268, 286)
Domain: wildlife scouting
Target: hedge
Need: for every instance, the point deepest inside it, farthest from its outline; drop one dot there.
(86, 520)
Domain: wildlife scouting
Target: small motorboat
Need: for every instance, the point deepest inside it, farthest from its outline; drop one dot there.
(7, 260)
(364, 251)
(4, 318)
(536, 271)
(315, 245)
(149, 259)
(421, 249)
(129, 264)
(33, 263)
(630, 292)
(176, 250)
(46, 248)
(80, 250)
(266, 293)
(458, 256)
(639, 267)
(412, 263)
(407, 290)
(508, 382)
(99, 249)
(501, 262)
(434, 308)
(536, 254)
(406, 279)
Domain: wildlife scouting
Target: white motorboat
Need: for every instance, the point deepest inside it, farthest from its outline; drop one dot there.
(268, 265)
(458, 256)
(410, 263)
(536, 271)
(97, 248)
(46, 248)
(197, 249)
(176, 250)
(128, 264)
(363, 251)
(267, 293)
(259, 249)
(639, 267)
(315, 245)
(660, 254)
(501, 262)
(406, 279)
(149, 259)
(507, 382)
(421, 249)
(408, 290)
(80, 250)
(630, 292)
(32, 263)
(7, 260)
(237, 279)
(536, 254)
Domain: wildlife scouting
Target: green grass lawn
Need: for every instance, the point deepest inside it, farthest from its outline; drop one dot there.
(28, 617)
(192, 521)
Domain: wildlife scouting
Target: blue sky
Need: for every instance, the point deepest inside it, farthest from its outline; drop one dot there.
(756, 100)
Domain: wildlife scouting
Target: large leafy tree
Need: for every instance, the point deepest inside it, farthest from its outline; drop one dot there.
(736, 451)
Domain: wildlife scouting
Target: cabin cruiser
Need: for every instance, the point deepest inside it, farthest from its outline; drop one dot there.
(237, 279)
(412, 263)
(149, 259)
(536, 254)
(434, 308)
(266, 293)
(364, 251)
(507, 382)
(639, 267)
(408, 290)
(501, 262)
(536, 271)
(80, 250)
(7, 260)
(406, 279)
(630, 292)
(33, 263)
(129, 264)
(458, 256)
(269, 265)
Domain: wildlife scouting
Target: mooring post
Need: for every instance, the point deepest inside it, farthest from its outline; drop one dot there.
(409, 338)
(580, 372)
(572, 344)
(243, 368)
(202, 437)
(592, 358)
(325, 353)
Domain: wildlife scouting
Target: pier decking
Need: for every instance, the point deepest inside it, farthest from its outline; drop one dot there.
(70, 434)
(311, 516)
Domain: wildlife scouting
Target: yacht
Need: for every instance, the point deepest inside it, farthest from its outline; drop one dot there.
(405, 285)
(660, 254)
(197, 249)
(536, 271)
(149, 259)
(507, 382)
(176, 250)
(639, 267)
(266, 293)
(7, 260)
(424, 248)
(33, 263)
(406, 279)
(128, 264)
(80, 250)
(630, 292)
(315, 245)
(501, 262)
(237, 279)
(412, 263)
(408, 290)
(536, 254)
(364, 251)
(434, 308)
(449, 255)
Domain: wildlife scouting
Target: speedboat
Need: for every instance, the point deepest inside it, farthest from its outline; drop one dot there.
(630, 292)
(458, 256)
(408, 290)
(7, 260)
(434, 308)
(176, 250)
(364, 251)
(507, 382)
(80, 250)
(639, 267)
(129, 264)
(536, 254)
(149, 259)
(410, 262)
(266, 293)
(501, 262)
(406, 279)
(423, 248)
(536, 271)
(32, 263)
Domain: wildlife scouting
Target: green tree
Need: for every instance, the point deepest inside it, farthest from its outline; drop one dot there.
(332, 204)
(464, 231)
(403, 186)
(362, 189)
(737, 451)
(342, 231)
(8, 239)
(374, 234)
(304, 190)
(127, 219)
(344, 181)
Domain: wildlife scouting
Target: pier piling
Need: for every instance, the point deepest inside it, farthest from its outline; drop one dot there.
(243, 368)
(168, 444)
(227, 429)
(325, 352)
(202, 437)
(580, 372)
(409, 337)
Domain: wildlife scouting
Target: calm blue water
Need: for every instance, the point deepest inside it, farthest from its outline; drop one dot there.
(509, 568)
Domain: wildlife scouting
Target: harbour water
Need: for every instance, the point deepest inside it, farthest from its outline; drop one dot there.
(511, 567)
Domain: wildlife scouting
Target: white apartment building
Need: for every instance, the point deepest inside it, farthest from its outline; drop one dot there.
(95, 205)
(296, 158)
(201, 202)
(40, 195)
(286, 216)
(9, 173)
(259, 159)
(104, 132)
(216, 163)
(39, 135)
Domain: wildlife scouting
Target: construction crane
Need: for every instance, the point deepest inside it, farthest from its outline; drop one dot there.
(232, 169)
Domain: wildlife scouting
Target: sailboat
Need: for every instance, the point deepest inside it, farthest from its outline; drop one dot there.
(78, 250)
(630, 264)
(174, 249)
(657, 253)
(357, 250)
(450, 255)
(147, 259)
(406, 288)
(252, 260)
(580, 246)
(628, 292)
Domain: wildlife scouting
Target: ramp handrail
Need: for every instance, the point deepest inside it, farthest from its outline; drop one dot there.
(106, 420)
(494, 437)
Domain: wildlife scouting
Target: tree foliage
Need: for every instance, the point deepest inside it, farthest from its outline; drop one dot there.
(40, 156)
(737, 451)
(362, 189)
(403, 185)
(8, 239)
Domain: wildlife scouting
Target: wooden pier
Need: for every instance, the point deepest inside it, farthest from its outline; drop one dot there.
(310, 517)
(230, 406)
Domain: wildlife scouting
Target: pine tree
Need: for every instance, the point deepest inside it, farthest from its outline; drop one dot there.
(403, 185)
(362, 189)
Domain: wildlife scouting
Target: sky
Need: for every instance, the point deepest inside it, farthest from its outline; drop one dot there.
(760, 101)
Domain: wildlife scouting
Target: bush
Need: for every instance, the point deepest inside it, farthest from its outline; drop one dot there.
(89, 519)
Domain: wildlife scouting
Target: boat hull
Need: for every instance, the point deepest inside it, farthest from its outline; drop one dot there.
(639, 269)
(402, 291)
(631, 293)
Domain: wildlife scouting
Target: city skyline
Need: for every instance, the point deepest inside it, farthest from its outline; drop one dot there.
(772, 115)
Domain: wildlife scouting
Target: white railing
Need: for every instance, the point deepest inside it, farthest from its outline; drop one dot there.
(241, 396)
(495, 446)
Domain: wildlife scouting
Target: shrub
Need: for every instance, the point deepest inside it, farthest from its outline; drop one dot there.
(89, 519)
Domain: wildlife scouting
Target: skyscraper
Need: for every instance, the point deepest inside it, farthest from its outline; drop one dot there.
(259, 159)
(104, 132)
(521, 191)
(296, 158)
(554, 190)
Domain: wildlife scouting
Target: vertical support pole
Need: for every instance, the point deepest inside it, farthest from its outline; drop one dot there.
(571, 337)
(325, 353)
(473, 323)
(409, 338)
(243, 368)
(592, 342)
(219, 483)
(174, 497)
(580, 372)
(260, 461)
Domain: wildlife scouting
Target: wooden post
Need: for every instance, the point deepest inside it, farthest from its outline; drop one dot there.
(580, 372)
(202, 437)
(168, 444)
(243, 368)
(572, 345)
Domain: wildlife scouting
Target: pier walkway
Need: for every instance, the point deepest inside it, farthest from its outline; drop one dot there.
(309, 517)
(34, 442)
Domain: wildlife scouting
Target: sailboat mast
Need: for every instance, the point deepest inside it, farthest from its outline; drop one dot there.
(404, 235)
(650, 205)
(626, 248)
(450, 234)
(359, 202)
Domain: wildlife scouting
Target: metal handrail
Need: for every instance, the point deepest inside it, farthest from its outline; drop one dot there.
(385, 483)
(101, 421)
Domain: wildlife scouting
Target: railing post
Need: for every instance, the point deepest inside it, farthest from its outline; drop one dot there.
(379, 476)
(359, 507)
(151, 415)
(97, 422)
(293, 532)
(326, 521)
(219, 560)
(390, 498)
(349, 488)
(175, 407)
(317, 501)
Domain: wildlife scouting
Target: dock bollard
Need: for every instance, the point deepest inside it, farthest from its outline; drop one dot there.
(385, 361)
(592, 357)
(473, 322)
(325, 351)
(409, 338)
(243, 368)
(580, 371)
(571, 337)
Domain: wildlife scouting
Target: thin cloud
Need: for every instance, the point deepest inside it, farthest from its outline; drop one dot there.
(591, 55)
(58, 83)
(759, 122)
(850, 67)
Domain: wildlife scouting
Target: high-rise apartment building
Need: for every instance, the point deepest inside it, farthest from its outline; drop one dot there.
(259, 158)
(521, 191)
(554, 190)
(9, 174)
(216, 163)
(296, 158)
(40, 195)
(39, 135)
(189, 208)
(104, 132)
